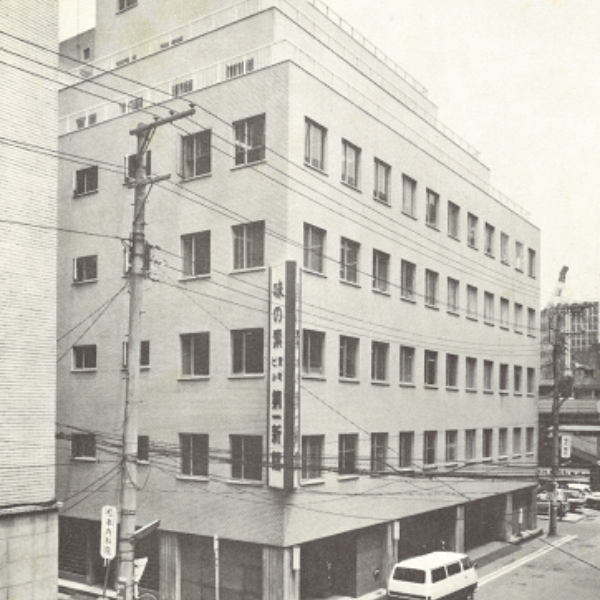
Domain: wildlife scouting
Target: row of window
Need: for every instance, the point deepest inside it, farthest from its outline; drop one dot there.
(315, 156)
(246, 451)
(247, 357)
(250, 147)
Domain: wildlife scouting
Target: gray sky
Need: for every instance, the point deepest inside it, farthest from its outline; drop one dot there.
(517, 79)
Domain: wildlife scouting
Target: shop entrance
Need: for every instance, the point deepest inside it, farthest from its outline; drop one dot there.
(484, 521)
(426, 533)
(328, 567)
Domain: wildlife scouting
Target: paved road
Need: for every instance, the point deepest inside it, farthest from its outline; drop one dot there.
(566, 567)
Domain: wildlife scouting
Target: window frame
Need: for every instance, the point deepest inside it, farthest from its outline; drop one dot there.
(381, 271)
(472, 301)
(196, 154)
(409, 196)
(195, 354)
(453, 295)
(530, 440)
(487, 443)
(312, 457)
(347, 453)
(518, 379)
(246, 133)
(452, 361)
(196, 254)
(453, 220)
(349, 260)
(531, 321)
(382, 179)
(504, 313)
(318, 162)
(85, 269)
(518, 324)
(380, 352)
(503, 442)
(432, 280)
(451, 445)
(504, 378)
(530, 381)
(349, 349)
(194, 455)
(379, 446)
(504, 248)
(432, 209)
(351, 158)
(82, 354)
(407, 365)
(313, 340)
(123, 5)
(488, 375)
(489, 302)
(243, 467)
(314, 248)
(429, 448)
(249, 245)
(430, 368)
(519, 256)
(470, 373)
(243, 355)
(517, 441)
(85, 181)
(406, 448)
(470, 445)
(490, 240)
(472, 231)
(531, 263)
(408, 280)
(83, 446)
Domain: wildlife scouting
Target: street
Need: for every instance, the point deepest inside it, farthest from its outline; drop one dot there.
(538, 571)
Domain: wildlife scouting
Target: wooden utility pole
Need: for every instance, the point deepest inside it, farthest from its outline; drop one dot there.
(128, 499)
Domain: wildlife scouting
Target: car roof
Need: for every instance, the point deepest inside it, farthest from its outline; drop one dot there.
(431, 560)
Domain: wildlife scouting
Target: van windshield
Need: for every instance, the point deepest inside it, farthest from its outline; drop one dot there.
(410, 575)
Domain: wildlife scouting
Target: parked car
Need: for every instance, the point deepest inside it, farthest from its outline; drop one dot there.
(575, 499)
(544, 503)
(593, 500)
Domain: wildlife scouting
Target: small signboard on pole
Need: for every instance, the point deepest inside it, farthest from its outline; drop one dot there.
(108, 532)
(565, 446)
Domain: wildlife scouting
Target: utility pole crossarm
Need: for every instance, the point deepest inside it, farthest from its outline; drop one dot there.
(128, 499)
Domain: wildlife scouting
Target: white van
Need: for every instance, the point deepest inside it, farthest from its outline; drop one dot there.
(433, 576)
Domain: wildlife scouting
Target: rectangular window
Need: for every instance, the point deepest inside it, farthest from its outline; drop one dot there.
(249, 245)
(349, 251)
(194, 454)
(519, 256)
(85, 268)
(379, 361)
(246, 457)
(431, 367)
(182, 87)
(249, 140)
(350, 163)
(86, 181)
(531, 321)
(379, 443)
(348, 357)
(432, 208)
(451, 446)
(195, 248)
(131, 165)
(488, 375)
(488, 438)
(517, 440)
(239, 68)
(471, 373)
(490, 233)
(470, 444)
(143, 448)
(488, 308)
(84, 357)
(453, 295)
(313, 344)
(196, 154)
(195, 354)
(472, 302)
(407, 441)
(144, 353)
(531, 265)
(407, 361)
(505, 248)
(503, 378)
(518, 379)
(518, 317)
(347, 453)
(247, 351)
(312, 456)
(452, 370)
(503, 441)
(530, 380)
(314, 145)
(314, 248)
(409, 195)
(83, 445)
(381, 191)
(123, 4)
(529, 440)
(381, 271)
(453, 220)
(504, 313)
(472, 224)
(429, 447)
(431, 287)
(408, 277)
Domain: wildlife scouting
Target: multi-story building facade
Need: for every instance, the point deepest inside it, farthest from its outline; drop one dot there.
(416, 307)
(28, 143)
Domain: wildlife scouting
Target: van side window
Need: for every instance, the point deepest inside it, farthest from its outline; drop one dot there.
(466, 563)
(453, 568)
(438, 574)
(410, 575)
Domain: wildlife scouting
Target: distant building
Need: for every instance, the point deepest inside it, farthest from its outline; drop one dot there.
(28, 142)
(416, 307)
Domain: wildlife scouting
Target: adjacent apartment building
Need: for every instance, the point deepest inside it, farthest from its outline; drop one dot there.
(340, 321)
(28, 143)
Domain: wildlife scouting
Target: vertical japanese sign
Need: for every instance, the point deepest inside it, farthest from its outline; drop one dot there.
(283, 413)
(108, 532)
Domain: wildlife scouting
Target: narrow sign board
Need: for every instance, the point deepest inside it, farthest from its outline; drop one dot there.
(108, 532)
